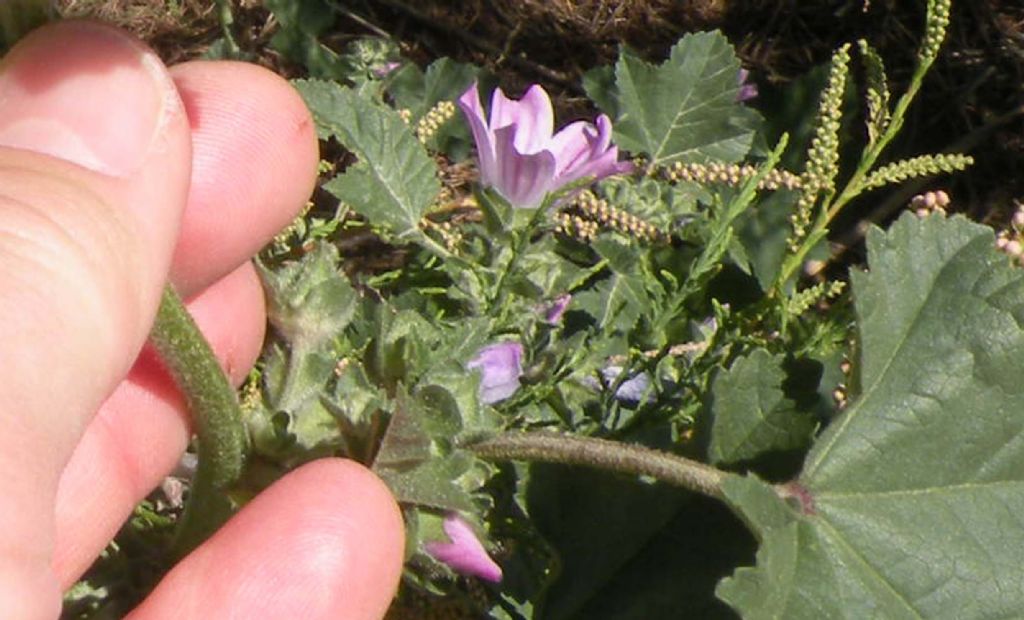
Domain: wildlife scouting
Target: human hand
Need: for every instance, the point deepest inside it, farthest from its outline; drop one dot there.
(96, 208)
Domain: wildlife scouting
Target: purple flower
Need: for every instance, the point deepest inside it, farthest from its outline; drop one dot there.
(500, 367)
(463, 552)
(553, 311)
(748, 90)
(632, 390)
(385, 69)
(519, 156)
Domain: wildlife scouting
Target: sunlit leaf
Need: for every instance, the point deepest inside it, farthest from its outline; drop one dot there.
(394, 181)
(684, 109)
(911, 502)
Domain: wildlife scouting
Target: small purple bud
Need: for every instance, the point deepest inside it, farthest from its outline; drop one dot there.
(553, 311)
(500, 367)
(385, 70)
(631, 391)
(748, 90)
(463, 551)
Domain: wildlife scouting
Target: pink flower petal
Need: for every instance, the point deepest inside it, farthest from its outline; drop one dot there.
(532, 115)
(523, 179)
(604, 133)
(500, 367)
(598, 167)
(570, 146)
(464, 553)
(482, 136)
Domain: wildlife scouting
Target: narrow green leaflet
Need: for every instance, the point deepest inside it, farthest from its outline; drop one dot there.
(684, 109)
(913, 499)
(751, 414)
(394, 181)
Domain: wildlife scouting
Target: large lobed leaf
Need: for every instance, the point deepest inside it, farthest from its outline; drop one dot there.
(914, 498)
(684, 109)
(394, 181)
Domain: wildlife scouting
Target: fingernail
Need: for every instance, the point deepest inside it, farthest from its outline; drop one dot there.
(85, 93)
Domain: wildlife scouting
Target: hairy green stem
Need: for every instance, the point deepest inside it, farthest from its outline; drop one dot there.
(520, 238)
(624, 458)
(216, 417)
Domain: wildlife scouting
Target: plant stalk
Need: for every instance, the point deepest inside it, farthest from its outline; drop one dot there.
(216, 418)
(623, 458)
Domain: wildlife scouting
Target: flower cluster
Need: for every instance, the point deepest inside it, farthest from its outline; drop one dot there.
(600, 211)
(520, 156)
(729, 174)
(920, 166)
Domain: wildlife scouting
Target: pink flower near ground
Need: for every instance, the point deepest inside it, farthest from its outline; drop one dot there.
(521, 157)
(463, 551)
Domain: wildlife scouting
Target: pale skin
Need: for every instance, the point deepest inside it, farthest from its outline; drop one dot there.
(117, 174)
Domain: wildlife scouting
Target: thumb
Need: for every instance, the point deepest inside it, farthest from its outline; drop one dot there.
(94, 172)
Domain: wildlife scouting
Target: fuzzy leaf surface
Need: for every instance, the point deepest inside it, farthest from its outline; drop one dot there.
(915, 495)
(394, 181)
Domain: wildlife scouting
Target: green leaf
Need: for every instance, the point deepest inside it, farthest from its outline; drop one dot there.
(418, 91)
(408, 465)
(751, 414)
(309, 301)
(684, 109)
(631, 551)
(763, 231)
(911, 501)
(614, 303)
(301, 22)
(395, 181)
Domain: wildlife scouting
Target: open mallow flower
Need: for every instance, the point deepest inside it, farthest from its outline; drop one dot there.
(463, 551)
(523, 160)
(500, 367)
